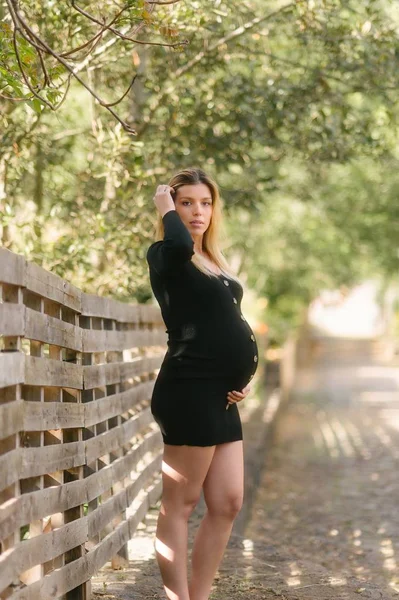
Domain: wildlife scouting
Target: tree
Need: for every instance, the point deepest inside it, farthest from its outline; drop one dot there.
(281, 107)
(38, 67)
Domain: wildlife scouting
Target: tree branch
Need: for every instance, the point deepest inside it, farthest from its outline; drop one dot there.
(11, 98)
(227, 38)
(94, 41)
(120, 34)
(231, 36)
(96, 38)
(28, 34)
(125, 94)
(21, 68)
(69, 68)
(4, 143)
(160, 3)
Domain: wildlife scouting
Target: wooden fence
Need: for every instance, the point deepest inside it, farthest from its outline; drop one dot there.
(80, 454)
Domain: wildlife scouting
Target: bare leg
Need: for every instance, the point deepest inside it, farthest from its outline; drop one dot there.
(223, 493)
(184, 469)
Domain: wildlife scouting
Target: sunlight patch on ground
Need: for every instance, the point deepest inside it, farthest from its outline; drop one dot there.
(388, 552)
(389, 564)
(328, 435)
(337, 580)
(248, 551)
(342, 436)
(272, 406)
(294, 578)
(142, 545)
(384, 373)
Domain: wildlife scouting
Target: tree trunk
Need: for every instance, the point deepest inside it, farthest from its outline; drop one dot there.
(5, 238)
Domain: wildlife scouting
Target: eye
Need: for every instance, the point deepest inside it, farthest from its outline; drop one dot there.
(185, 201)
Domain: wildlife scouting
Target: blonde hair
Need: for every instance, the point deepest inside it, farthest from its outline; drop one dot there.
(211, 238)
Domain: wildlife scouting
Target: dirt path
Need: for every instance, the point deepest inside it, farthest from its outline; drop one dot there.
(325, 520)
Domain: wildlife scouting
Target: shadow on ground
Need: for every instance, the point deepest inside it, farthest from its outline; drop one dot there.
(323, 523)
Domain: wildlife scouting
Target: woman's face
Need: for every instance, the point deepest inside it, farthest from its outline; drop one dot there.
(194, 203)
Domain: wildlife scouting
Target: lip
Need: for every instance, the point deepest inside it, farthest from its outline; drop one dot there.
(196, 223)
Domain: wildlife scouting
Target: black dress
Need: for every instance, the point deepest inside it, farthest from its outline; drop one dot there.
(211, 348)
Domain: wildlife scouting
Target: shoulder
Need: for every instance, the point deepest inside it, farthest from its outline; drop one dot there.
(153, 246)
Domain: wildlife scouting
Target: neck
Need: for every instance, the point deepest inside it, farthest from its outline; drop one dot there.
(197, 239)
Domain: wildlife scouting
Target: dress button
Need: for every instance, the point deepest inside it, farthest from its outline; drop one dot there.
(252, 337)
(235, 301)
(225, 282)
(251, 377)
(255, 358)
(242, 317)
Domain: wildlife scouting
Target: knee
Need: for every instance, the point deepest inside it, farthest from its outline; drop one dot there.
(188, 506)
(182, 507)
(227, 509)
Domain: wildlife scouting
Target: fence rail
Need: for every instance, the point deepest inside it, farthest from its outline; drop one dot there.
(80, 454)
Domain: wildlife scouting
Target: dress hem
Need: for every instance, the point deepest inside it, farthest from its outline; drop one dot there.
(202, 445)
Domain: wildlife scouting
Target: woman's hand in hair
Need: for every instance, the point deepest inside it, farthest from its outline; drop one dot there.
(163, 199)
(235, 396)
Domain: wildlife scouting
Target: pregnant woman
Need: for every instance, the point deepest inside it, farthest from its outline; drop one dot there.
(211, 357)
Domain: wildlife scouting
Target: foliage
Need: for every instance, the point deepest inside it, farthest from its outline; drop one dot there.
(43, 46)
(290, 106)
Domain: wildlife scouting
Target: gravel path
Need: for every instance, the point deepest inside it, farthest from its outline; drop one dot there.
(324, 523)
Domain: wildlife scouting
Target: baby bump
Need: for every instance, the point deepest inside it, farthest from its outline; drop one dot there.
(235, 347)
(217, 349)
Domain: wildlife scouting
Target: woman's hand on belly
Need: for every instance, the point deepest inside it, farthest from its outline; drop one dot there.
(235, 396)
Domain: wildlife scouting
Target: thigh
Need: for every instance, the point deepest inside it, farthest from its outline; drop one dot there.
(224, 482)
(184, 469)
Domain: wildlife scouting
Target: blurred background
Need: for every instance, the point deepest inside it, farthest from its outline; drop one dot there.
(292, 108)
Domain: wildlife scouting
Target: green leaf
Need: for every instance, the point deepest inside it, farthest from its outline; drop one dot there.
(36, 105)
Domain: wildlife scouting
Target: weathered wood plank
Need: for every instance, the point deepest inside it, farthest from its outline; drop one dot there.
(11, 418)
(104, 514)
(10, 467)
(152, 443)
(72, 297)
(51, 286)
(152, 469)
(12, 368)
(99, 341)
(118, 436)
(62, 580)
(51, 372)
(117, 404)
(12, 268)
(108, 308)
(42, 416)
(145, 364)
(158, 338)
(107, 374)
(18, 320)
(51, 330)
(48, 459)
(12, 319)
(40, 549)
(36, 505)
(150, 497)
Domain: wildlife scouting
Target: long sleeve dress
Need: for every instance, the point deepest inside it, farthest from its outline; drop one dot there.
(211, 348)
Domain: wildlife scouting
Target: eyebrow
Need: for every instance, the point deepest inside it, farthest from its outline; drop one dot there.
(189, 198)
